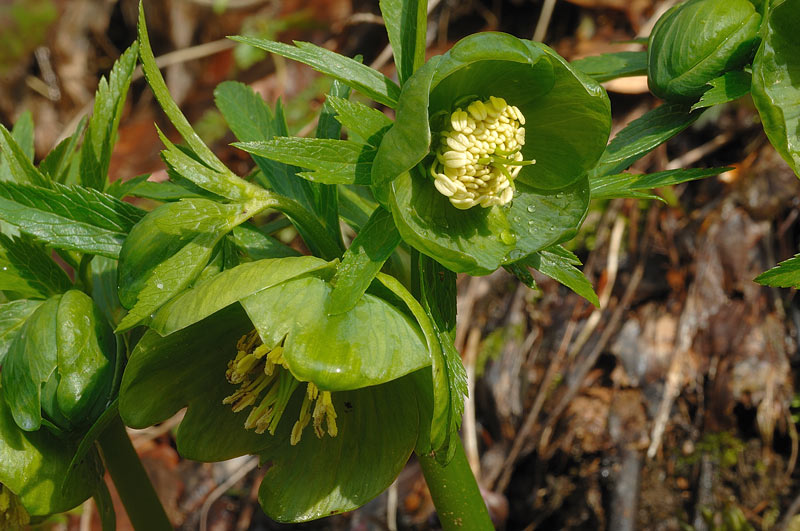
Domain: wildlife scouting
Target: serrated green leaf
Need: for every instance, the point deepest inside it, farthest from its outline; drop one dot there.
(373, 245)
(362, 78)
(20, 166)
(776, 89)
(728, 87)
(629, 184)
(562, 269)
(159, 88)
(643, 135)
(251, 119)
(73, 218)
(26, 269)
(22, 133)
(608, 66)
(58, 162)
(368, 123)
(102, 130)
(228, 287)
(784, 275)
(522, 273)
(258, 245)
(12, 316)
(333, 161)
(223, 183)
(406, 24)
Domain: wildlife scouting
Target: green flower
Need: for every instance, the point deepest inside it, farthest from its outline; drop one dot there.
(332, 401)
(469, 126)
(697, 41)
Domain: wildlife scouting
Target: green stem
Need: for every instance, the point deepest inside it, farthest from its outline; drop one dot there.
(455, 492)
(326, 246)
(134, 487)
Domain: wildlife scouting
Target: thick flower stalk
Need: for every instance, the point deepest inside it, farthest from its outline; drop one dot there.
(480, 154)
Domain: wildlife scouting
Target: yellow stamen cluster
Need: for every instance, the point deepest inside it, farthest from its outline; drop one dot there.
(257, 368)
(479, 155)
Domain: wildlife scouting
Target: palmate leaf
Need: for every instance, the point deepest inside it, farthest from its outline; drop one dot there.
(776, 89)
(406, 24)
(608, 66)
(73, 218)
(28, 271)
(332, 161)
(643, 135)
(784, 275)
(632, 185)
(352, 73)
(102, 130)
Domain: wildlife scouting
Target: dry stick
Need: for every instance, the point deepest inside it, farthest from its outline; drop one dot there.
(541, 397)
(469, 428)
(391, 506)
(544, 20)
(241, 472)
(693, 155)
(582, 370)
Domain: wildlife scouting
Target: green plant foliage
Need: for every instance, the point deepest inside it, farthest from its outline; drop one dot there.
(28, 271)
(698, 41)
(776, 89)
(102, 129)
(610, 66)
(12, 316)
(34, 466)
(560, 265)
(20, 163)
(637, 185)
(728, 87)
(784, 275)
(406, 24)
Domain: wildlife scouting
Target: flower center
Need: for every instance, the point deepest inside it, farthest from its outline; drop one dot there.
(479, 155)
(259, 370)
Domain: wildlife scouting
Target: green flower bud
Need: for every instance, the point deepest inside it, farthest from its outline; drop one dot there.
(698, 41)
(60, 366)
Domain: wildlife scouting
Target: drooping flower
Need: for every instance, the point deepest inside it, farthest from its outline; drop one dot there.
(556, 116)
(259, 361)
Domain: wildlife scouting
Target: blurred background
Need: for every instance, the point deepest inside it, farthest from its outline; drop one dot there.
(671, 407)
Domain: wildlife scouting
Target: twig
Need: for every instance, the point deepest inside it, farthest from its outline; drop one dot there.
(241, 472)
(469, 429)
(544, 20)
(391, 506)
(694, 155)
(86, 515)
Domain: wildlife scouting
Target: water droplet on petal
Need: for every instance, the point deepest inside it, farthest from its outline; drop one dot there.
(507, 237)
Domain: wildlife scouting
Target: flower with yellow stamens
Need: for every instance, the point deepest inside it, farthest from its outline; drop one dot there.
(479, 156)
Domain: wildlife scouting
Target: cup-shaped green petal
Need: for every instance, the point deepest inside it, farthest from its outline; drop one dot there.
(567, 123)
(698, 41)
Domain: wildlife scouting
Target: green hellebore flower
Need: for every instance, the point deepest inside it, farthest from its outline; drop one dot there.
(256, 357)
(487, 160)
(59, 369)
(698, 41)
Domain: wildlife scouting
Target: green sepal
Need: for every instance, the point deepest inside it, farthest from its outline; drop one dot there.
(34, 465)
